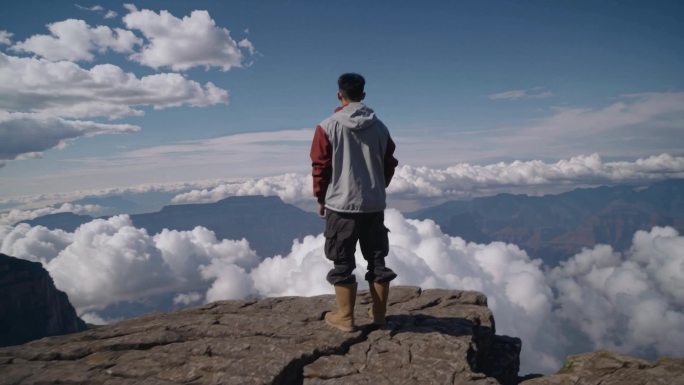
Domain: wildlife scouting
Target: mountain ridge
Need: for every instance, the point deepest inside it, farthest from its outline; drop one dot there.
(555, 227)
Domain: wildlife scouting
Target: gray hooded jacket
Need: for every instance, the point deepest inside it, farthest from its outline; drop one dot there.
(361, 161)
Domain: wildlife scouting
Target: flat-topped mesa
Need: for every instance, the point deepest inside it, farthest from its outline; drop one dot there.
(431, 337)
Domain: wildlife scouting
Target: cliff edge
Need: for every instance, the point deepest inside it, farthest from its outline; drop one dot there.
(30, 305)
(432, 337)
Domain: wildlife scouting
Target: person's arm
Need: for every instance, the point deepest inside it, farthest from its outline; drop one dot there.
(390, 161)
(321, 165)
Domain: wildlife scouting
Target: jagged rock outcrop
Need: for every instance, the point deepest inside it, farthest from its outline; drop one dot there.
(30, 305)
(432, 337)
(607, 368)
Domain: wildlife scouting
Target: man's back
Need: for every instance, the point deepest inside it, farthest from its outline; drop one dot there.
(359, 143)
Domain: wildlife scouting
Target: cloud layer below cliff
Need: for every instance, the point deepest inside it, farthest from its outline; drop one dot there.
(631, 302)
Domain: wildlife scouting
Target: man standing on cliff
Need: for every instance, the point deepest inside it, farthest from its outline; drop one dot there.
(353, 163)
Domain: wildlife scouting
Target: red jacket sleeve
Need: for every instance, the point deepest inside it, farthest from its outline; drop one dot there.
(321, 164)
(390, 161)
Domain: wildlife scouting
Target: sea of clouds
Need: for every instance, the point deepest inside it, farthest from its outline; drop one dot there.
(631, 302)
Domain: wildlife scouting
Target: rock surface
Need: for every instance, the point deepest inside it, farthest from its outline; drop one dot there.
(607, 368)
(432, 337)
(30, 305)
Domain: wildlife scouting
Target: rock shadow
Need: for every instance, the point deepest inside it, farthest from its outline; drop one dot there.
(422, 323)
(493, 355)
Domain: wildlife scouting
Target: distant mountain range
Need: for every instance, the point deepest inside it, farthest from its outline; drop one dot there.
(550, 227)
(269, 224)
(555, 227)
(129, 203)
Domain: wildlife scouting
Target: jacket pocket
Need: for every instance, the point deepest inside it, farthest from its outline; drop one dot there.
(384, 240)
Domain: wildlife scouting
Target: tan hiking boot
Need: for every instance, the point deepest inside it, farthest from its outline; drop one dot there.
(343, 317)
(379, 291)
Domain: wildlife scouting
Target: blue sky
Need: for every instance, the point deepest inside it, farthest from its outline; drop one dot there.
(475, 82)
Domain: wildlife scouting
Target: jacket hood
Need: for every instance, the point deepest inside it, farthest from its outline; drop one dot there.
(356, 116)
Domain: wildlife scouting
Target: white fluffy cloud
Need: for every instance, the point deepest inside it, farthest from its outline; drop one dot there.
(37, 244)
(93, 319)
(108, 261)
(229, 281)
(248, 45)
(535, 93)
(187, 298)
(5, 37)
(27, 135)
(108, 14)
(67, 90)
(94, 8)
(302, 272)
(183, 43)
(290, 188)
(75, 40)
(130, 7)
(16, 215)
(36, 96)
(32, 202)
(184, 251)
(466, 180)
(55, 87)
(631, 302)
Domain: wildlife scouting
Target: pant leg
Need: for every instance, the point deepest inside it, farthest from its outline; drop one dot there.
(375, 247)
(340, 245)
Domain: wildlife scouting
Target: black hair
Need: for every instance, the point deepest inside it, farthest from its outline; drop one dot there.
(351, 86)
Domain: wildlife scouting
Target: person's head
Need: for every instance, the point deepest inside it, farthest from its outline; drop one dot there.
(350, 87)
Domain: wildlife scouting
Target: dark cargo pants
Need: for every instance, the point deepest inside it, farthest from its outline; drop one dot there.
(342, 231)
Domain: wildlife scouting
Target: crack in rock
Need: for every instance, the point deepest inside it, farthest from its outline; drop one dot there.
(293, 372)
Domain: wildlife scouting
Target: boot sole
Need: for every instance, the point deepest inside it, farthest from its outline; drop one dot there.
(342, 328)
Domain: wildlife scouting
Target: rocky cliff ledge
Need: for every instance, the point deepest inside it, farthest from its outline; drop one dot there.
(607, 368)
(30, 305)
(432, 337)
